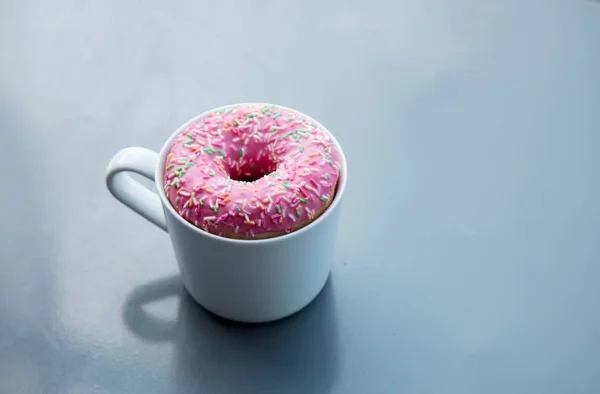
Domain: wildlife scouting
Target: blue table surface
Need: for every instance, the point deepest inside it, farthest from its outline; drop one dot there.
(468, 258)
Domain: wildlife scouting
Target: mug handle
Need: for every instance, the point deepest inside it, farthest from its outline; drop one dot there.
(130, 192)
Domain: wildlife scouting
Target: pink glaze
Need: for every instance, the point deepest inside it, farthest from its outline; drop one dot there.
(291, 159)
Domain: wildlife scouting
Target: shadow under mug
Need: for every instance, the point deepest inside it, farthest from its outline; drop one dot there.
(296, 355)
(243, 280)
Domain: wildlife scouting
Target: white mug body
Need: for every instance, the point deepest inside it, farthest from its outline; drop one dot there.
(243, 280)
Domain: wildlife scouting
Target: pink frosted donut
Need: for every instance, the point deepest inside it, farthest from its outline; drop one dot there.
(251, 172)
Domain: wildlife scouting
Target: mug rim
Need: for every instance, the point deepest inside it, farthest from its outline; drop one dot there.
(159, 176)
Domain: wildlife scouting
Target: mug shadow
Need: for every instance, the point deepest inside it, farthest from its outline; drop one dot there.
(299, 354)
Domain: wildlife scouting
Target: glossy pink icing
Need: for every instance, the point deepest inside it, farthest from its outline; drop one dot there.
(292, 159)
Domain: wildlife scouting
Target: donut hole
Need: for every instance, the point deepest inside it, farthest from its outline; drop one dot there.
(251, 170)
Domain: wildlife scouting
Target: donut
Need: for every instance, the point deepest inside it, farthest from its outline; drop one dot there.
(251, 171)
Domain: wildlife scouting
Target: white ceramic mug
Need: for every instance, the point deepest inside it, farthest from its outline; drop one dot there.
(242, 280)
